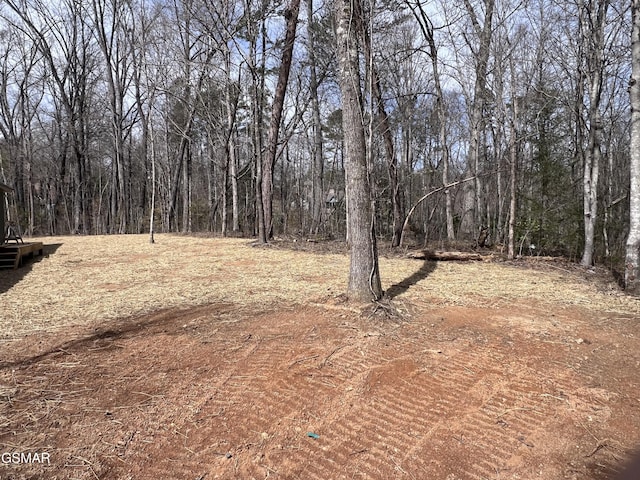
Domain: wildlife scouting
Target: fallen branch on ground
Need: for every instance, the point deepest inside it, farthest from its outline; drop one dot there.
(443, 255)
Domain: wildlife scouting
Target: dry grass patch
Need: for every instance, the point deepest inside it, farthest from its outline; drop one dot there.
(95, 278)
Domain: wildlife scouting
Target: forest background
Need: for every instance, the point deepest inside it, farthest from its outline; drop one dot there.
(114, 113)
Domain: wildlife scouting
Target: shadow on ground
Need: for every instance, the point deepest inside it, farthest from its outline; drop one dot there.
(10, 278)
(162, 321)
(401, 287)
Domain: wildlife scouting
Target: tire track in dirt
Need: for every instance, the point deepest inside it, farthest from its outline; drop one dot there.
(392, 426)
(493, 433)
(394, 431)
(212, 412)
(384, 406)
(467, 400)
(390, 432)
(261, 409)
(247, 386)
(350, 368)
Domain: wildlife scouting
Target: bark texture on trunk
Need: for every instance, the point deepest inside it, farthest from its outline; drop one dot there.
(364, 276)
(482, 52)
(632, 261)
(317, 197)
(269, 160)
(592, 24)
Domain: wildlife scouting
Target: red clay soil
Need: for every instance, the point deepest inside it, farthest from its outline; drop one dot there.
(321, 393)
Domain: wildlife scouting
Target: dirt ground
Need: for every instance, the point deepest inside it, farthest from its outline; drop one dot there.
(499, 385)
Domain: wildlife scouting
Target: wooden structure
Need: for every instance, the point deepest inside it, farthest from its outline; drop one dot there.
(4, 190)
(13, 255)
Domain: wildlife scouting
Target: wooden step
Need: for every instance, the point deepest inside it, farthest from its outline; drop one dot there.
(9, 258)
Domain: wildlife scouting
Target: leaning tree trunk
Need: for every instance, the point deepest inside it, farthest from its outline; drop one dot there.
(364, 276)
(269, 161)
(632, 263)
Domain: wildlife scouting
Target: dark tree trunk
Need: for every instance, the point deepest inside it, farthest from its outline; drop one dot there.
(269, 160)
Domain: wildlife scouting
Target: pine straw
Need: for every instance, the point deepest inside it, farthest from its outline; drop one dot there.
(89, 279)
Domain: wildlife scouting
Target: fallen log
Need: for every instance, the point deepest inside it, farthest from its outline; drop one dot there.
(441, 255)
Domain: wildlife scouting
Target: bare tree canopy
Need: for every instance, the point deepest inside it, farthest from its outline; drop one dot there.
(230, 116)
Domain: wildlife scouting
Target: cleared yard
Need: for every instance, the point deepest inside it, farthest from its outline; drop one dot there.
(203, 358)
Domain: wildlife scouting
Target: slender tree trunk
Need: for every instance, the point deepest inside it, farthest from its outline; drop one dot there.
(632, 260)
(186, 152)
(317, 196)
(364, 275)
(31, 203)
(233, 172)
(385, 130)
(482, 52)
(257, 95)
(592, 20)
(152, 151)
(513, 160)
(186, 190)
(223, 200)
(269, 160)
(211, 186)
(232, 108)
(448, 197)
(498, 138)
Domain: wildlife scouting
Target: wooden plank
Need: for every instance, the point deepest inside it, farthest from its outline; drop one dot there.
(27, 248)
(23, 250)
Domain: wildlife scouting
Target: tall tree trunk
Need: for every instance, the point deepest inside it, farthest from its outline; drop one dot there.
(233, 173)
(513, 160)
(152, 152)
(257, 96)
(364, 275)
(484, 34)
(632, 261)
(317, 197)
(592, 22)
(269, 160)
(223, 199)
(186, 190)
(231, 100)
(385, 130)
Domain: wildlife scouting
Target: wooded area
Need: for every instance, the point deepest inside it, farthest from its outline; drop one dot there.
(227, 116)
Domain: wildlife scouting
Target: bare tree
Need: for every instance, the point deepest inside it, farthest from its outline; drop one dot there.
(632, 261)
(428, 32)
(481, 51)
(384, 127)
(269, 160)
(21, 92)
(112, 23)
(65, 46)
(593, 15)
(317, 196)
(513, 167)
